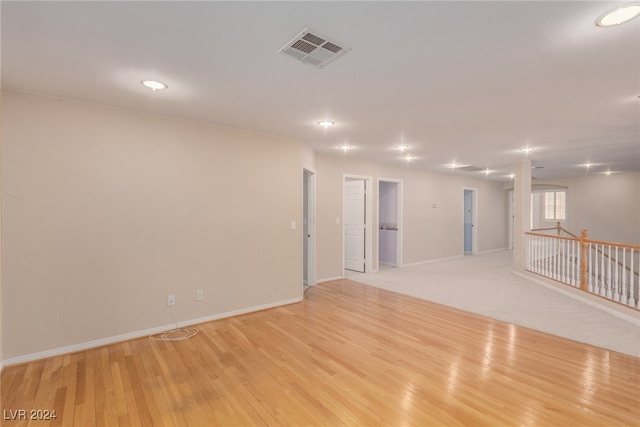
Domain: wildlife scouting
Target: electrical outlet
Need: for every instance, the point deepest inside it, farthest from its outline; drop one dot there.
(199, 295)
(171, 300)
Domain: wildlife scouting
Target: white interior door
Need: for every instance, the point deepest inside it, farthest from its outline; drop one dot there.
(354, 225)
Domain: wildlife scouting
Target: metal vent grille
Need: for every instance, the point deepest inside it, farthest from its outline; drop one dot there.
(313, 48)
(332, 47)
(304, 46)
(313, 39)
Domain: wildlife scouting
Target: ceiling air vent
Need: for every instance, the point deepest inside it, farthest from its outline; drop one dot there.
(312, 48)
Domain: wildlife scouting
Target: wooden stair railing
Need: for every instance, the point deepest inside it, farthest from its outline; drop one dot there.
(623, 283)
(559, 228)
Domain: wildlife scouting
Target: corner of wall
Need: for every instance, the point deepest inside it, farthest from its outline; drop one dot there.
(1, 357)
(307, 156)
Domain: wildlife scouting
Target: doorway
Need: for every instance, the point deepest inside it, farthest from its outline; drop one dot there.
(389, 223)
(357, 215)
(308, 228)
(469, 216)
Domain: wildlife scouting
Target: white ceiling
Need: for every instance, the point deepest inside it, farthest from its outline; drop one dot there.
(470, 82)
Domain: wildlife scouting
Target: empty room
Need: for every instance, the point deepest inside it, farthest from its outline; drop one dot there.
(319, 213)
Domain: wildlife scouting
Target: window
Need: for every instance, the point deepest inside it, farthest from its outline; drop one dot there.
(548, 207)
(555, 205)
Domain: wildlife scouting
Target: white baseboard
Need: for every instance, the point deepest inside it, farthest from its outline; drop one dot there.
(492, 251)
(390, 264)
(138, 334)
(453, 257)
(614, 309)
(329, 279)
(431, 260)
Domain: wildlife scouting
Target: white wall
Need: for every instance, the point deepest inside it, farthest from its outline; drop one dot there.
(1, 271)
(429, 233)
(106, 212)
(608, 207)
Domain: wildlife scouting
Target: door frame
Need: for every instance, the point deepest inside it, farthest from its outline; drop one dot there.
(399, 213)
(310, 260)
(368, 221)
(511, 203)
(474, 219)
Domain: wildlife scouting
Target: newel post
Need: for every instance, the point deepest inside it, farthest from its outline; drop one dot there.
(559, 227)
(584, 244)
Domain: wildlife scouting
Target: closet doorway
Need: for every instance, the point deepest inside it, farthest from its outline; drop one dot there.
(469, 215)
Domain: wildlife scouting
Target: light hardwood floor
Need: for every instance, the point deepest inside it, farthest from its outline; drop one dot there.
(348, 354)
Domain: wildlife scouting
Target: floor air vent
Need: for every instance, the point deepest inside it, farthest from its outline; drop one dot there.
(312, 48)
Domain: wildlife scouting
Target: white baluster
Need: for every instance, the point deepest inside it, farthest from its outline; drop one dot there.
(609, 284)
(570, 262)
(623, 282)
(552, 254)
(594, 266)
(545, 256)
(538, 257)
(562, 261)
(601, 270)
(539, 254)
(576, 263)
(559, 259)
(590, 281)
(543, 242)
(565, 261)
(597, 270)
(529, 264)
(552, 259)
(534, 253)
(534, 240)
(632, 285)
(541, 251)
(616, 277)
(530, 244)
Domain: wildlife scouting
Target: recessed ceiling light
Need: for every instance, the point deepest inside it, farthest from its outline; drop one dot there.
(345, 147)
(401, 147)
(326, 123)
(619, 15)
(587, 165)
(153, 84)
(408, 158)
(527, 150)
(454, 165)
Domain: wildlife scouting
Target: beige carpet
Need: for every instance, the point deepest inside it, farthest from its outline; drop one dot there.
(484, 284)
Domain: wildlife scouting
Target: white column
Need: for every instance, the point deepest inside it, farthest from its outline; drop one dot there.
(521, 213)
